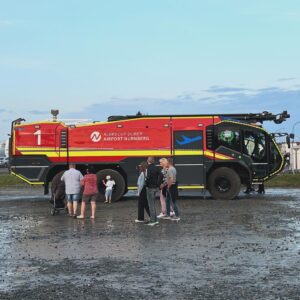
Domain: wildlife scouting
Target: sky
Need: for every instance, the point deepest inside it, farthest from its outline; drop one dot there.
(93, 58)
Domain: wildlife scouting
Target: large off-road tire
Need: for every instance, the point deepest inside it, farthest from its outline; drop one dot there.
(224, 183)
(119, 188)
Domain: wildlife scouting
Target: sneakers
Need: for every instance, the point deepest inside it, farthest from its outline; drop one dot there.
(161, 215)
(139, 221)
(152, 223)
(173, 218)
(172, 214)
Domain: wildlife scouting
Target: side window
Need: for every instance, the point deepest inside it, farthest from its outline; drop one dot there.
(255, 145)
(229, 138)
(188, 140)
(275, 158)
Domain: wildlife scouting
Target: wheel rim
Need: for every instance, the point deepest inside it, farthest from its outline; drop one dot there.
(222, 184)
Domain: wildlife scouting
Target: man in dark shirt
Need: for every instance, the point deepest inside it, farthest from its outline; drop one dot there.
(153, 173)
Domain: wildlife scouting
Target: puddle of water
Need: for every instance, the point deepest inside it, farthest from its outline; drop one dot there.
(37, 194)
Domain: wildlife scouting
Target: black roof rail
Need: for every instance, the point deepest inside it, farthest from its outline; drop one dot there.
(248, 118)
(260, 117)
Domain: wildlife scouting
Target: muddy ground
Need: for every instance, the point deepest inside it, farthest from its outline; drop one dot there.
(243, 249)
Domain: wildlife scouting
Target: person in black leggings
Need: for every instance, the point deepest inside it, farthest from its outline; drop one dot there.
(142, 201)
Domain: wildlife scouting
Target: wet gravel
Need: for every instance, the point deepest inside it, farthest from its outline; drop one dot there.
(242, 249)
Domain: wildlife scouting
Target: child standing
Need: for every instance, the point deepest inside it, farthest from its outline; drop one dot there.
(89, 183)
(109, 184)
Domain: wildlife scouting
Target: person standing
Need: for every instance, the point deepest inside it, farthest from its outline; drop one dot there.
(72, 179)
(142, 201)
(89, 183)
(163, 162)
(109, 184)
(172, 191)
(151, 188)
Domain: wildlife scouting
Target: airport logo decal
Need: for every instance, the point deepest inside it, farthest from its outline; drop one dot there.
(95, 136)
(186, 140)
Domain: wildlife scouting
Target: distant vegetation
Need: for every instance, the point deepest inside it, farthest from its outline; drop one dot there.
(285, 181)
(10, 180)
(282, 180)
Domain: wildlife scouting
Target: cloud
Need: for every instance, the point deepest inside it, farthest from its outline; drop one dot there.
(38, 112)
(224, 89)
(286, 79)
(6, 23)
(269, 89)
(3, 110)
(273, 99)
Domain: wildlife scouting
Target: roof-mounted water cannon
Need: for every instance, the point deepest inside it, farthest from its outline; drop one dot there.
(261, 117)
(281, 117)
(54, 113)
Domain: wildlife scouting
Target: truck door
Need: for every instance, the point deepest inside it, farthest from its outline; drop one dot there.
(188, 157)
(255, 151)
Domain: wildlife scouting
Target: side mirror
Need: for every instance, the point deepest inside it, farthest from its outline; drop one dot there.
(288, 141)
(292, 135)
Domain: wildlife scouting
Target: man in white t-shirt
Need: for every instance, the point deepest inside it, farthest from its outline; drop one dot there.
(72, 179)
(109, 184)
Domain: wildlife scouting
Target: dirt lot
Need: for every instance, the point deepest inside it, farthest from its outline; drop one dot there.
(243, 249)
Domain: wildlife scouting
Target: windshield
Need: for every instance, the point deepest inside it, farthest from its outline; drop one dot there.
(276, 158)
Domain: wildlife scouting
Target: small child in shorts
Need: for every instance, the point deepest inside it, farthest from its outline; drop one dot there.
(109, 184)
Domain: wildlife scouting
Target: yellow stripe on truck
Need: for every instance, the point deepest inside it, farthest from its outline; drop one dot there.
(185, 187)
(73, 153)
(52, 152)
(216, 155)
(26, 180)
(99, 153)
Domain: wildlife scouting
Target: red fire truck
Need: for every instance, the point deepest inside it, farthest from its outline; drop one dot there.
(215, 152)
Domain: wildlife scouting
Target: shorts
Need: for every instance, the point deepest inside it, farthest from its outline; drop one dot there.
(108, 193)
(89, 198)
(73, 197)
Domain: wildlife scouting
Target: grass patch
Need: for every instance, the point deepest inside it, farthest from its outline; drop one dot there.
(11, 180)
(284, 181)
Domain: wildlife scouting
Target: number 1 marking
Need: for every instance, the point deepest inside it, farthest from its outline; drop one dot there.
(39, 137)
